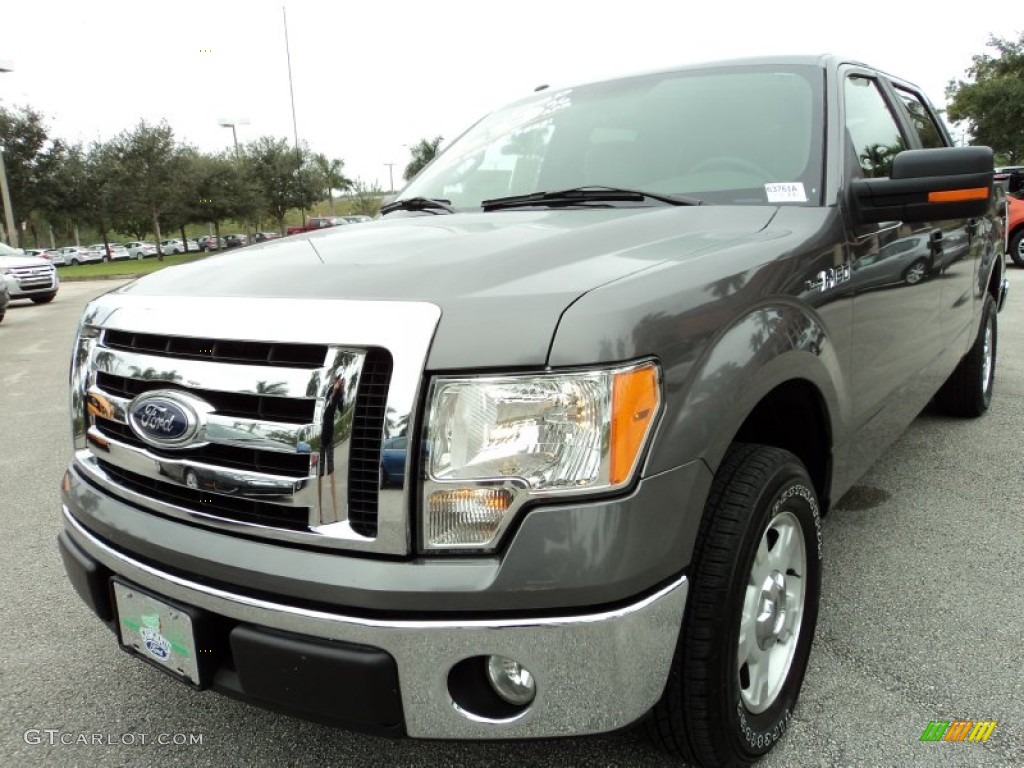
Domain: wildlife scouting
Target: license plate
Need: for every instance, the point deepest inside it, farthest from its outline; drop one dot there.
(159, 632)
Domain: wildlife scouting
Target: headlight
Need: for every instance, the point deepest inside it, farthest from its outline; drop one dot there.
(493, 443)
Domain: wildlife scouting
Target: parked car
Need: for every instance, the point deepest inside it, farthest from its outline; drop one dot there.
(177, 245)
(357, 219)
(5, 299)
(262, 237)
(210, 243)
(27, 277)
(235, 241)
(1002, 175)
(1015, 229)
(50, 255)
(77, 254)
(110, 252)
(392, 462)
(140, 250)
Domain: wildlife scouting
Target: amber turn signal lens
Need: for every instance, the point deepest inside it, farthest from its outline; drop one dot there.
(635, 401)
(958, 195)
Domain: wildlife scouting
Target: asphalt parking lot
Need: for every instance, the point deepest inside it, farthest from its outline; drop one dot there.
(921, 620)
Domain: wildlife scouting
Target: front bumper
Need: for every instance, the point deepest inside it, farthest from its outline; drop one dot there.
(26, 289)
(1004, 289)
(594, 672)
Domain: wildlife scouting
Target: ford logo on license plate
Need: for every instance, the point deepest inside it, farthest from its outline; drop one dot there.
(164, 419)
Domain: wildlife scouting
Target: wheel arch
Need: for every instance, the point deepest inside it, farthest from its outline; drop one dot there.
(772, 378)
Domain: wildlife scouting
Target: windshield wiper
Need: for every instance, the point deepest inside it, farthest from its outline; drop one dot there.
(432, 204)
(585, 195)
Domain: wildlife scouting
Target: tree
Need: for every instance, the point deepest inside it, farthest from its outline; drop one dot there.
(223, 188)
(422, 153)
(71, 197)
(991, 99)
(29, 157)
(332, 176)
(285, 176)
(150, 165)
(365, 199)
(104, 194)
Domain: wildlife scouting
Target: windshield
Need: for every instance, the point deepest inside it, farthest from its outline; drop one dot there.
(741, 135)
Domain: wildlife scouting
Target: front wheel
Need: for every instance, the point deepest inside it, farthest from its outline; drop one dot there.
(751, 612)
(916, 272)
(1017, 248)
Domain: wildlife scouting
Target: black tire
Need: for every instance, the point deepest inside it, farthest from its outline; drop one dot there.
(46, 298)
(74, 262)
(968, 390)
(1017, 248)
(2, 316)
(708, 713)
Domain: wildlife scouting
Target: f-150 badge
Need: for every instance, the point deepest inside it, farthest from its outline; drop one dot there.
(830, 278)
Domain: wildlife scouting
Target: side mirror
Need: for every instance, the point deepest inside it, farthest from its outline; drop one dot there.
(926, 185)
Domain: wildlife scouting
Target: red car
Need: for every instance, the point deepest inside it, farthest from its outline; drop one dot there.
(1015, 229)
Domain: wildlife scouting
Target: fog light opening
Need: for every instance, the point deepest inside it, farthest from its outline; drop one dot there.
(491, 689)
(511, 680)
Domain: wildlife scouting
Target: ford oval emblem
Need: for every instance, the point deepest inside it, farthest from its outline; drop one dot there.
(163, 419)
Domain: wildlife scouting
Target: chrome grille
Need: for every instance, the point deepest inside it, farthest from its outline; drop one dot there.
(243, 405)
(220, 350)
(287, 403)
(33, 277)
(367, 430)
(213, 504)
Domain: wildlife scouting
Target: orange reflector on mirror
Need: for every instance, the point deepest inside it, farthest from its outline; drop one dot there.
(635, 402)
(958, 195)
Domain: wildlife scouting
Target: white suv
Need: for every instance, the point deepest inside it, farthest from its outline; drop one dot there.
(27, 277)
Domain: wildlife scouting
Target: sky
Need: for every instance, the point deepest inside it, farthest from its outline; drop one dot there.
(372, 78)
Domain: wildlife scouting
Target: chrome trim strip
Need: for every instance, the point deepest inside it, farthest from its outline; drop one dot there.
(223, 377)
(260, 435)
(333, 536)
(283, 491)
(594, 673)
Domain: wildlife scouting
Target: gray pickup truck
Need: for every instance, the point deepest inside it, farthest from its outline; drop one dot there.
(543, 451)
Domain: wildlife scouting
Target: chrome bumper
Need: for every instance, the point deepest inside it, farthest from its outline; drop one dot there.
(594, 672)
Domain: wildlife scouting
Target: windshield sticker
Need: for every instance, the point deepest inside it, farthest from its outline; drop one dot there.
(789, 192)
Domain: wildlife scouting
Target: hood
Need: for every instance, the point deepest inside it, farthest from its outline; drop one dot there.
(7, 262)
(501, 279)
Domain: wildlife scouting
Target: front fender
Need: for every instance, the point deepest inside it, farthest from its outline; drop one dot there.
(769, 346)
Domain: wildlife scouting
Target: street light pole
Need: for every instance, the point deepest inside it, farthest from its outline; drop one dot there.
(391, 176)
(5, 193)
(232, 124)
